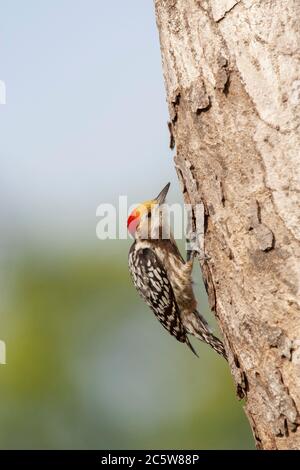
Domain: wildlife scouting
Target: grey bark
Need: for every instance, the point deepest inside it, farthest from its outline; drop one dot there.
(232, 76)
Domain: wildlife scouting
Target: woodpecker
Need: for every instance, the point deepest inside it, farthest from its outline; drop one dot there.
(162, 277)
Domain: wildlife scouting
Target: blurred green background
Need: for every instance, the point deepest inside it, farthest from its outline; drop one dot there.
(88, 366)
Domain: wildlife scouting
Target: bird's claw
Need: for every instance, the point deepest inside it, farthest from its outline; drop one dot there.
(192, 254)
(194, 250)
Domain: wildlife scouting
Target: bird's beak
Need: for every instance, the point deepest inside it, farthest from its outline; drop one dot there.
(162, 195)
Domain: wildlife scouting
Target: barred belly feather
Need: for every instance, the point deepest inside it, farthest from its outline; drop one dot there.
(163, 280)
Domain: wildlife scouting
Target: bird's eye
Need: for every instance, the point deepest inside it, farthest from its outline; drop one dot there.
(149, 215)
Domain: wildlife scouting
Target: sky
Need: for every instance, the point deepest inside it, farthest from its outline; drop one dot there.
(85, 118)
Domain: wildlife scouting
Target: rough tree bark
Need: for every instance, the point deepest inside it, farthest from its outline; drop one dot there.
(232, 75)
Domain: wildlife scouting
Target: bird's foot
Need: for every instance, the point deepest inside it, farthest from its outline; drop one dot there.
(195, 251)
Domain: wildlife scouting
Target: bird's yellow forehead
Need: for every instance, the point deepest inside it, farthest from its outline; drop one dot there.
(146, 206)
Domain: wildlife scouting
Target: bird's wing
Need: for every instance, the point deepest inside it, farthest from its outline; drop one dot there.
(152, 282)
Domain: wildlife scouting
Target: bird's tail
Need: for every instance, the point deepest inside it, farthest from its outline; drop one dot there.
(197, 326)
(190, 346)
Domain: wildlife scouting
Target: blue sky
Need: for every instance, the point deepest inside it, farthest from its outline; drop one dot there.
(86, 112)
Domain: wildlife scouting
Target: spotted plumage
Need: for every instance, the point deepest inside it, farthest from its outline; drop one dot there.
(163, 278)
(151, 281)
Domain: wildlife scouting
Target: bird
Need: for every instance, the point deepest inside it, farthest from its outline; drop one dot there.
(162, 277)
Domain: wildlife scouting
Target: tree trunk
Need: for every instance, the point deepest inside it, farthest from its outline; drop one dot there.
(232, 75)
